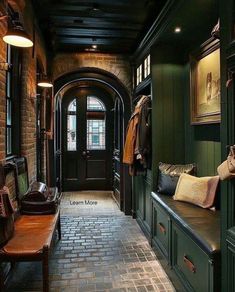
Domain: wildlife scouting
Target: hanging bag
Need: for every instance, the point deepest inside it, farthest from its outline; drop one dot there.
(226, 169)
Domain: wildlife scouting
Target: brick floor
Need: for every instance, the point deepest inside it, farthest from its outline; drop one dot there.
(101, 250)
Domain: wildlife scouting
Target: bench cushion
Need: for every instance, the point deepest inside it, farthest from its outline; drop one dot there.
(31, 234)
(202, 225)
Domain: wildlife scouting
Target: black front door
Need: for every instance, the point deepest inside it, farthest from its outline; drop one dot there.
(87, 134)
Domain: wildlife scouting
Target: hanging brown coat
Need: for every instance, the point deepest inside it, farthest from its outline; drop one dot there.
(137, 143)
(129, 148)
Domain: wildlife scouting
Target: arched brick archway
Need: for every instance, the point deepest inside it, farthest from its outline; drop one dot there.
(109, 80)
(116, 65)
(93, 73)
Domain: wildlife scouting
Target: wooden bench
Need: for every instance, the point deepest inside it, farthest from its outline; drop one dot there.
(32, 241)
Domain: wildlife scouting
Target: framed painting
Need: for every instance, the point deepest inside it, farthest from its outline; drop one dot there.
(205, 83)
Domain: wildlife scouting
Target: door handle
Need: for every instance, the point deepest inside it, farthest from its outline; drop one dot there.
(58, 152)
(86, 153)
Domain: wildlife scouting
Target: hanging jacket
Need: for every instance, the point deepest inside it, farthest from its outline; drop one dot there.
(137, 145)
(143, 141)
(129, 148)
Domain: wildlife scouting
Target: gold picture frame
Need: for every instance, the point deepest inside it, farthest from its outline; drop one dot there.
(205, 84)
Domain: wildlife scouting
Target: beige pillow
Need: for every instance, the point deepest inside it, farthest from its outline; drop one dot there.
(196, 190)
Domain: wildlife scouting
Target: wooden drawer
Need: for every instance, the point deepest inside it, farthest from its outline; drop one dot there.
(190, 262)
(161, 229)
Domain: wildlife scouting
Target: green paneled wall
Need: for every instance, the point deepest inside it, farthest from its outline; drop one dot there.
(142, 189)
(202, 142)
(167, 110)
(174, 139)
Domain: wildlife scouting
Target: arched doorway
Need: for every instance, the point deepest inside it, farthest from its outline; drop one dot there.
(87, 138)
(109, 82)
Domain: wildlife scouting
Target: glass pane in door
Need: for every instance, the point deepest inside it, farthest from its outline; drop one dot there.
(95, 134)
(95, 124)
(72, 126)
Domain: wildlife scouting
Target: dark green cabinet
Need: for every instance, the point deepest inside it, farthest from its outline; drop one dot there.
(193, 258)
(139, 192)
(142, 193)
(190, 262)
(161, 229)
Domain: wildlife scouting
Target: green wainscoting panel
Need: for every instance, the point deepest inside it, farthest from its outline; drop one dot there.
(139, 186)
(142, 193)
(206, 154)
(227, 54)
(167, 109)
(148, 202)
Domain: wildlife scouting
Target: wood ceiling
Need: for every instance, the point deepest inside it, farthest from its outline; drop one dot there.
(112, 25)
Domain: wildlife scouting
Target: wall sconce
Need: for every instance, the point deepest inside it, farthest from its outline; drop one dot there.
(45, 82)
(16, 35)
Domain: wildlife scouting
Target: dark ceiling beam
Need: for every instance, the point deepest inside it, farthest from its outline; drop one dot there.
(99, 15)
(90, 41)
(107, 8)
(82, 2)
(96, 33)
(73, 49)
(60, 19)
(104, 25)
(105, 49)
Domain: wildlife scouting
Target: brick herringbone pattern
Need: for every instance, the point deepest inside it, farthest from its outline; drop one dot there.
(97, 253)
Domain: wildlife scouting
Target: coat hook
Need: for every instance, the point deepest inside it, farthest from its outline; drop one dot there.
(230, 80)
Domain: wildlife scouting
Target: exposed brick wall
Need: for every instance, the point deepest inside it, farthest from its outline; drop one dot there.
(28, 113)
(28, 105)
(118, 65)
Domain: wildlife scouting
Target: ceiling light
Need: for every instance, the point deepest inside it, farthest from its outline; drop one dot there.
(16, 36)
(177, 29)
(45, 82)
(96, 7)
(94, 46)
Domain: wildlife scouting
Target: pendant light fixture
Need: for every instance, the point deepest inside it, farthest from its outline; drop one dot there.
(15, 35)
(45, 82)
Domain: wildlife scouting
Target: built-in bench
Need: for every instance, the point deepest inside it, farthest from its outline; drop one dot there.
(32, 241)
(189, 238)
(33, 234)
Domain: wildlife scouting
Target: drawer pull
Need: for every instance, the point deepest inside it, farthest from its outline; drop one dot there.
(189, 264)
(162, 228)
